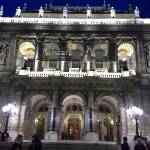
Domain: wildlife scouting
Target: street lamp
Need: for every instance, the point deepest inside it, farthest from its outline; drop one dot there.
(134, 113)
(9, 110)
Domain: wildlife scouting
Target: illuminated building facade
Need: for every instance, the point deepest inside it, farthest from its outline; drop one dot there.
(74, 78)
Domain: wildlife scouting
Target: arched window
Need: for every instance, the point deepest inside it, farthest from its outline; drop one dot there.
(25, 57)
(126, 57)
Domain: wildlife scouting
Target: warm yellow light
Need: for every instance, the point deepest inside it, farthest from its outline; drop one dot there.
(36, 120)
(125, 49)
(27, 49)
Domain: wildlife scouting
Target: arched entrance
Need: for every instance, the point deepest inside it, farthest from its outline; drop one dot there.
(41, 121)
(105, 123)
(73, 128)
(36, 115)
(72, 118)
(107, 118)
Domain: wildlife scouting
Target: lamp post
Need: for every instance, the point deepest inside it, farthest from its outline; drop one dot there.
(9, 110)
(134, 113)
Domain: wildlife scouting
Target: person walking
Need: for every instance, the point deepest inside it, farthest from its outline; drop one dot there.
(125, 145)
(36, 143)
(139, 145)
(18, 143)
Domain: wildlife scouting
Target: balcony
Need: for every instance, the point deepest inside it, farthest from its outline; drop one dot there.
(74, 74)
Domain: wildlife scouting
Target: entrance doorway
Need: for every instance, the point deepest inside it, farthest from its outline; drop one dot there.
(106, 123)
(40, 127)
(73, 129)
(41, 121)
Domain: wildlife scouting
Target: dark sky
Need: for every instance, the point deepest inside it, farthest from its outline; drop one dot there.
(10, 5)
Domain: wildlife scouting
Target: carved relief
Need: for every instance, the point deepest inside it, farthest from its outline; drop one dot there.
(4, 47)
(146, 46)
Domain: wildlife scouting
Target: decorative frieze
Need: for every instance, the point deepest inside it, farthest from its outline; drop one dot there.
(4, 48)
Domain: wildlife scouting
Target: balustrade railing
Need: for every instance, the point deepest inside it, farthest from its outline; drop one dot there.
(80, 74)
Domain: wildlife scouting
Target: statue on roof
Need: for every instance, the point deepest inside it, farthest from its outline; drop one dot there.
(108, 7)
(24, 7)
(112, 12)
(136, 12)
(45, 6)
(130, 8)
(1, 11)
(88, 13)
(65, 12)
(41, 12)
(18, 12)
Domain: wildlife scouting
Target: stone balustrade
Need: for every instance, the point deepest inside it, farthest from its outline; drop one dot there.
(108, 75)
(69, 21)
(73, 74)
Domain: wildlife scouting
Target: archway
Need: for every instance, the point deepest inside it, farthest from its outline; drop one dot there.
(108, 118)
(72, 124)
(25, 56)
(36, 115)
(126, 57)
(105, 123)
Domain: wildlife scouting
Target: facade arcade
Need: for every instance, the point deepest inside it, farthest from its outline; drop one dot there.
(74, 78)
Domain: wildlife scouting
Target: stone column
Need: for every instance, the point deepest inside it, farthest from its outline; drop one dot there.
(90, 125)
(62, 65)
(90, 122)
(63, 52)
(90, 97)
(88, 59)
(142, 65)
(53, 119)
(88, 66)
(21, 112)
(93, 64)
(124, 121)
(87, 54)
(70, 64)
(39, 54)
(113, 56)
(57, 65)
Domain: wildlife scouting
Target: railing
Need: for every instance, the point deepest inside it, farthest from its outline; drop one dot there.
(108, 75)
(74, 75)
(68, 21)
(44, 74)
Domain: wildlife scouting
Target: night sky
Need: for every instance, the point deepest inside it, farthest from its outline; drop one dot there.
(10, 5)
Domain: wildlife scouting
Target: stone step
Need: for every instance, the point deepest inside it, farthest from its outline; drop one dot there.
(67, 146)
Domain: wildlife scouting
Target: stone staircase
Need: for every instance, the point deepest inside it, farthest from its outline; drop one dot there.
(67, 146)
